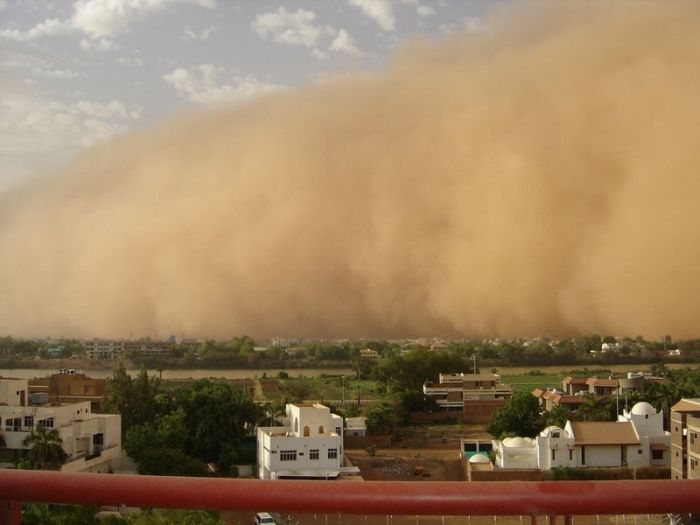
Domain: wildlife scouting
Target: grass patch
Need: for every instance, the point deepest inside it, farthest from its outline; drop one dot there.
(528, 383)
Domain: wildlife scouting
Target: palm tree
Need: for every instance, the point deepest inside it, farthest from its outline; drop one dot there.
(45, 450)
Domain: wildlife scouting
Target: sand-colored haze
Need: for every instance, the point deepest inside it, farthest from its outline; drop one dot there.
(540, 176)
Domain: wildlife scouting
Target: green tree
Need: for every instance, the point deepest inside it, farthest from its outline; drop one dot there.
(45, 450)
(597, 409)
(168, 517)
(215, 416)
(519, 416)
(135, 399)
(557, 416)
(51, 514)
(381, 419)
(401, 372)
(168, 431)
(298, 389)
(171, 462)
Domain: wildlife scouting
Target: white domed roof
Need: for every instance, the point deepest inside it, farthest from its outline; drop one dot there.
(479, 458)
(551, 428)
(643, 409)
(516, 442)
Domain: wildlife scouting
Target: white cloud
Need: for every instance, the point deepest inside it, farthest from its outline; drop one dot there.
(381, 11)
(130, 61)
(284, 27)
(319, 55)
(36, 66)
(98, 44)
(37, 133)
(424, 10)
(56, 73)
(49, 27)
(99, 18)
(191, 34)
(3, 4)
(113, 109)
(344, 43)
(203, 85)
(468, 24)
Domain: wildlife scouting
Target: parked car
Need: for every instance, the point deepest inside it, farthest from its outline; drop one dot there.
(263, 518)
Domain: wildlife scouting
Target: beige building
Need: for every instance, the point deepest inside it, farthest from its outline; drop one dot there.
(685, 441)
(70, 388)
(92, 442)
(477, 396)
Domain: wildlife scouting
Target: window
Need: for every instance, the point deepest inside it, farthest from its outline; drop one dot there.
(98, 439)
(337, 430)
(571, 454)
(556, 434)
(554, 454)
(657, 454)
(28, 421)
(288, 455)
(321, 430)
(332, 453)
(13, 424)
(640, 451)
(46, 423)
(313, 453)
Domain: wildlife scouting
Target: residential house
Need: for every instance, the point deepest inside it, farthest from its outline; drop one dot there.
(637, 439)
(310, 445)
(369, 354)
(685, 439)
(65, 388)
(550, 398)
(477, 396)
(575, 388)
(92, 442)
(355, 426)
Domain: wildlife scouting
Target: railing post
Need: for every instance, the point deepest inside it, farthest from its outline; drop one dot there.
(9, 512)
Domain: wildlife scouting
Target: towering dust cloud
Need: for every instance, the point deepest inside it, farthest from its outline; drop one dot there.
(540, 176)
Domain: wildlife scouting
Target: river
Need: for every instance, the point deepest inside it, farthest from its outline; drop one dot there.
(29, 373)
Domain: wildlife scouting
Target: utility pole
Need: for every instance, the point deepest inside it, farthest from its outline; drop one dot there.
(343, 380)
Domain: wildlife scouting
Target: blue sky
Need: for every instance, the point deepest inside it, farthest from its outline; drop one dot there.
(73, 74)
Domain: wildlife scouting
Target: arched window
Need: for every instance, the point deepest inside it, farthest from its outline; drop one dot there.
(306, 431)
(321, 430)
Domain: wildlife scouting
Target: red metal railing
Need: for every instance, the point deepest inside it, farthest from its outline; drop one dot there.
(550, 498)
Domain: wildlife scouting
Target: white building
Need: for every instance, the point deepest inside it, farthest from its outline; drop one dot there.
(92, 442)
(309, 446)
(99, 349)
(637, 439)
(356, 426)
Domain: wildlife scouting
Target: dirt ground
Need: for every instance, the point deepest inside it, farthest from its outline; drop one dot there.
(418, 453)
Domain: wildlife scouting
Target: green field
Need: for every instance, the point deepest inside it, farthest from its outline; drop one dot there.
(529, 382)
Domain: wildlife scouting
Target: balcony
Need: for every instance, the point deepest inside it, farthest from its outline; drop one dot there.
(529, 499)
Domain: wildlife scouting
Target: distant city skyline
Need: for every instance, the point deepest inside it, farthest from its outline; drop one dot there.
(77, 73)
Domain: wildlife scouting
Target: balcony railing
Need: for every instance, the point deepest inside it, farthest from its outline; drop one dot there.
(553, 498)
